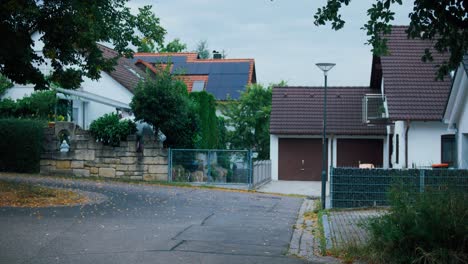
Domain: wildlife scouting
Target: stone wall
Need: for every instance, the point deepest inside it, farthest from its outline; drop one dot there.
(90, 158)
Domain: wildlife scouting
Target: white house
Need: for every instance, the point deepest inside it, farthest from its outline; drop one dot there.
(94, 98)
(456, 113)
(414, 102)
(396, 122)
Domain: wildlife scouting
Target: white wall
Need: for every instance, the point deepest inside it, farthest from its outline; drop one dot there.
(274, 157)
(424, 143)
(106, 86)
(462, 133)
(399, 130)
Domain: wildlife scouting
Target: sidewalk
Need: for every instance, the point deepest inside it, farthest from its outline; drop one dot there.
(306, 188)
(345, 227)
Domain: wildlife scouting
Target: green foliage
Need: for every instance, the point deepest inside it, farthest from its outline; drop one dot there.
(444, 22)
(5, 84)
(250, 119)
(40, 104)
(110, 130)
(70, 32)
(164, 103)
(208, 122)
(174, 46)
(21, 145)
(202, 50)
(222, 133)
(429, 227)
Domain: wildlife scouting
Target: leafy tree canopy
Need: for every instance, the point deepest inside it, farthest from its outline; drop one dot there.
(174, 46)
(202, 50)
(248, 120)
(70, 31)
(445, 22)
(164, 103)
(5, 84)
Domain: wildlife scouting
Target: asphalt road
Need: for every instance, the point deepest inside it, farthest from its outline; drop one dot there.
(151, 224)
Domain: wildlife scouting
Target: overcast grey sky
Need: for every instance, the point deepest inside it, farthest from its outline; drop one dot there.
(279, 35)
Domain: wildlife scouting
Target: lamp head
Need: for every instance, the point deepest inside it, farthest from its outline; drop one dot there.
(325, 67)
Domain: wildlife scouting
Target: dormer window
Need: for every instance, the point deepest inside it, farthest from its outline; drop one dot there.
(198, 86)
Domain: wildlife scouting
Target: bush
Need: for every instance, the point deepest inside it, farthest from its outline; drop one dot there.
(206, 109)
(110, 130)
(39, 105)
(429, 227)
(20, 145)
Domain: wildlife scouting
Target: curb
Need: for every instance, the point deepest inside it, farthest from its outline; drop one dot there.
(303, 243)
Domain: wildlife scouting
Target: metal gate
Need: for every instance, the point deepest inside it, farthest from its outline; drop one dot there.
(211, 166)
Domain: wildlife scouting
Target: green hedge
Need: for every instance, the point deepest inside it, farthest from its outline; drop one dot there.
(20, 145)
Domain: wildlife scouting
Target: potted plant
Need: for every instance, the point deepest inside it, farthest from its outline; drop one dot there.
(381, 111)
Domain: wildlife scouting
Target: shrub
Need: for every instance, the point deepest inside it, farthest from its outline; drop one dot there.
(39, 105)
(20, 145)
(429, 227)
(206, 109)
(110, 130)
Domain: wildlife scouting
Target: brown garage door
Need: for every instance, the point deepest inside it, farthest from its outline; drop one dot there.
(300, 159)
(351, 152)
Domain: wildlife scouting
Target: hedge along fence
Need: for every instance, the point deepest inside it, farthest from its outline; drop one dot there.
(352, 187)
(20, 145)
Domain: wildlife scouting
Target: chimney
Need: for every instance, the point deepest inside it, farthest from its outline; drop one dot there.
(217, 55)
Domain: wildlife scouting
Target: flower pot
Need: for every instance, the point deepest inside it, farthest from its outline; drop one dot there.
(51, 124)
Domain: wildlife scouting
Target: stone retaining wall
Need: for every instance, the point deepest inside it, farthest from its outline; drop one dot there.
(90, 158)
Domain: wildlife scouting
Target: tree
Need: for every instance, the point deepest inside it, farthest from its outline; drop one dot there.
(148, 45)
(445, 22)
(5, 84)
(202, 50)
(250, 119)
(174, 46)
(206, 110)
(164, 103)
(70, 31)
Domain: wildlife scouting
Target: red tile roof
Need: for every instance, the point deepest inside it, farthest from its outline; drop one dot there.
(193, 57)
(125, 72)
(299, 111)
(410, 86)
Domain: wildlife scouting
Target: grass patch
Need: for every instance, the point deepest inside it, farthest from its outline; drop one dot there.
(13, 194)
(321, 232)
(349, 253)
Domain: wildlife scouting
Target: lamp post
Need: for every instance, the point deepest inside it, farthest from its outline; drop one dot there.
(325, 67)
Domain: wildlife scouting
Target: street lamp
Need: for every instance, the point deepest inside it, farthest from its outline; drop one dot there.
(325, 67)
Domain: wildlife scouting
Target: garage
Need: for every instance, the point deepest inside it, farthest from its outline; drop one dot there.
(300, 159)
(352, 152)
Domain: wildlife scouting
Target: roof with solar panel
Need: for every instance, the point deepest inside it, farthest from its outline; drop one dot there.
(224, 78)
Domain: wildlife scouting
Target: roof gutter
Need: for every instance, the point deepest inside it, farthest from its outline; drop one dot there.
(95, 98)
(406, 142)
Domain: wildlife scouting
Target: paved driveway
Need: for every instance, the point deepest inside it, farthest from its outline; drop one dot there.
(150, 224)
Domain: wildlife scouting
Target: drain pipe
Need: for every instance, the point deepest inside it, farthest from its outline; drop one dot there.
(406, 143)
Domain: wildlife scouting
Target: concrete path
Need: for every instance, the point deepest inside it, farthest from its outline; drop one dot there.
(345, 226)
(307, 188)
(151, 224)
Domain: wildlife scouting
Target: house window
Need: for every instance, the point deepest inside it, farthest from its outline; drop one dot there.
(448, 149)
(397, 149)
(198, 86)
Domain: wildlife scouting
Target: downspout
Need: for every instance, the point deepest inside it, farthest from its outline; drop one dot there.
(406, 143)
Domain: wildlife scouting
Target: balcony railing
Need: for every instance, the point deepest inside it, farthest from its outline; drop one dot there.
(373, 108)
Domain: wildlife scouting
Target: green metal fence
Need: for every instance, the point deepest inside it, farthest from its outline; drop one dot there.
(352, 187)
(216, 167)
